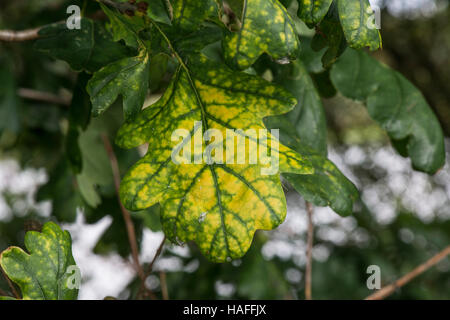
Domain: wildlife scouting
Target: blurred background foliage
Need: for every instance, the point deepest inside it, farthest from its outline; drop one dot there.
(403, 217)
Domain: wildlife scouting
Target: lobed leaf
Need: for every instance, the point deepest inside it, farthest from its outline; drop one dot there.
(44, 273)
(217, 205)
(88, 48)
(266, 28)
(124, 27)
(189, 14)
(127, 77)
(357, 20)
(313, 11)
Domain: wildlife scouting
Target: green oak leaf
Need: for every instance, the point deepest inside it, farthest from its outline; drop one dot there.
(88, 48)
(124, 27)
(189, 14)
(47, 272)
(395, 104)
(313, 11)
(127, 77)
(357, 20)
(217, 205)
(266, 28)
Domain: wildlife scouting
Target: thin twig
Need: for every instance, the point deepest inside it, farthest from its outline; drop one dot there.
(10, 284)
(43, 97)
(389, 289)
(157, 254)
(18, 36)
(162, 280)
(126, 215)
(309, 247)
(150, 266)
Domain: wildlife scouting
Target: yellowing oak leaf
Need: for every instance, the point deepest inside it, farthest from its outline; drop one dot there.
(189, 14)
(313, 11)
(359, 24)
(218, 204)
(266, 28)
(48, 271)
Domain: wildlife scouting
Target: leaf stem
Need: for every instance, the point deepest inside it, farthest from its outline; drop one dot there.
(150, 266)
(389, 289)
(309, 248)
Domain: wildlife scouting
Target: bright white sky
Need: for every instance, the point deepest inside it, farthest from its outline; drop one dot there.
(411, 8)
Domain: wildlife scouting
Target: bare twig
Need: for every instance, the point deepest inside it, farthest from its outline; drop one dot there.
(150, 266)
(157, 254)
(18, 36)
(10, 284)
(162, 280)
(389, 289)
(126, 215)
(43, 96)
(309, 210)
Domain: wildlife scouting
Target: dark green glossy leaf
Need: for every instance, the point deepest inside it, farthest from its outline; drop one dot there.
(89, 48)
(127, 77)
(157, 11)
(308, 116)
(395, 104)
(124, 27)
